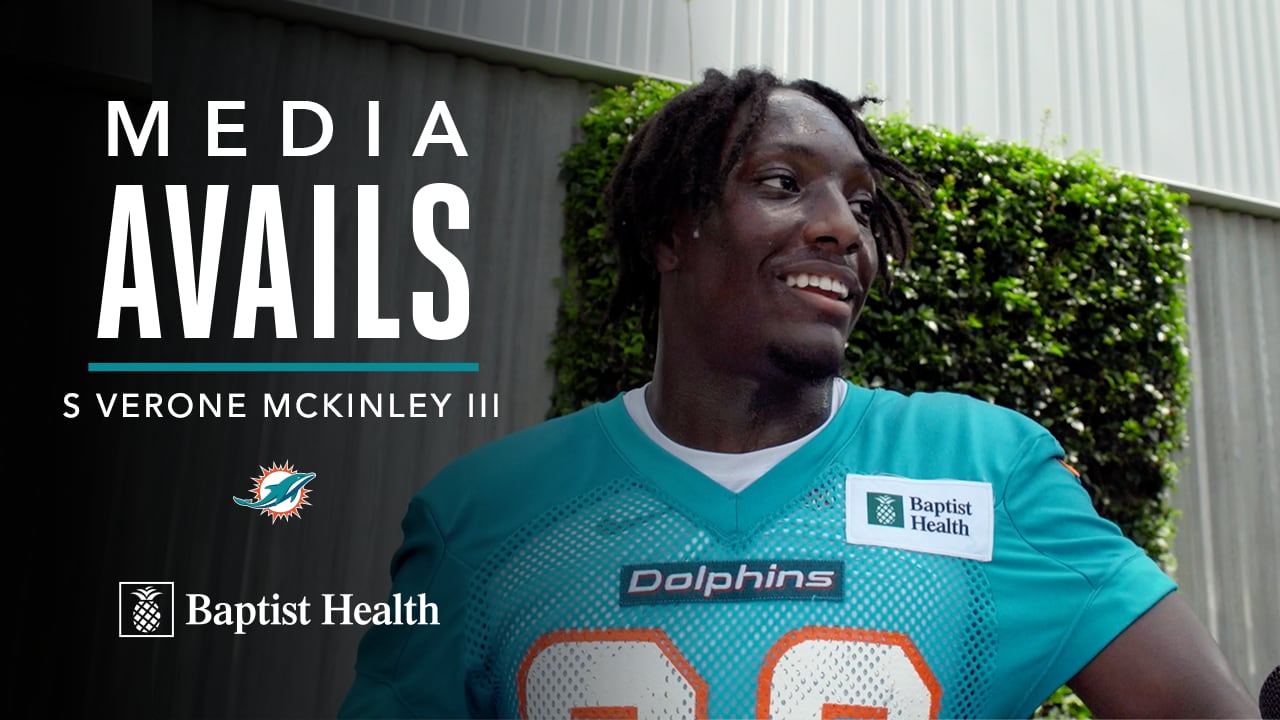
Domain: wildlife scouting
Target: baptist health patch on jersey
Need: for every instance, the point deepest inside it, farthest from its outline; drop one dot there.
(942, 517)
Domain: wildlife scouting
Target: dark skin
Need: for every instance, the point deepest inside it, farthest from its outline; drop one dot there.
(1166, 664)
(746, 357)
(751, 365)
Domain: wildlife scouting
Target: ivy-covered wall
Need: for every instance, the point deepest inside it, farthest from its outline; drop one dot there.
(1051, 286)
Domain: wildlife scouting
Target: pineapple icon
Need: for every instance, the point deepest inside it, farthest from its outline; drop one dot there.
(146, 614)
(884, 513)
(146, 609)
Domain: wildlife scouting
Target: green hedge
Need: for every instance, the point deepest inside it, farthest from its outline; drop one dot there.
(1051, 286)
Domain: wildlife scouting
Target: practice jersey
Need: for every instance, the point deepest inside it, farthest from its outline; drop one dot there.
(924, 555)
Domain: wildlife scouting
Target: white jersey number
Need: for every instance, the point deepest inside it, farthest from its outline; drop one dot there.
(814, 673)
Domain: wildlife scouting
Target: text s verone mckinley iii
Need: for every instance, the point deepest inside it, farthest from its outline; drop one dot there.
(130, 303)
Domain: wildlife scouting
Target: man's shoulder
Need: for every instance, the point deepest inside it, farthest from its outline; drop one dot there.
(949, 413)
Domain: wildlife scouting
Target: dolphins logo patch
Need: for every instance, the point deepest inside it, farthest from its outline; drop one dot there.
(280, 492)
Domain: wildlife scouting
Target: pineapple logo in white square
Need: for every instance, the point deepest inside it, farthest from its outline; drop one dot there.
(146, 609)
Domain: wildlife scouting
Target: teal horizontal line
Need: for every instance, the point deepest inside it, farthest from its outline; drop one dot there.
(258, 367)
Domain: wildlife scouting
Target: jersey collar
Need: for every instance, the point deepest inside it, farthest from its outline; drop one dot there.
(731, 514)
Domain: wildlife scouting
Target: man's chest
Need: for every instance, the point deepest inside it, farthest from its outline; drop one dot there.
(632, 605)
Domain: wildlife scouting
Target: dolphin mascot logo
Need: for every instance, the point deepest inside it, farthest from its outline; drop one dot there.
(285, 491)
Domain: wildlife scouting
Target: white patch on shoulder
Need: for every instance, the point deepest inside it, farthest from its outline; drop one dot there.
(941, 517)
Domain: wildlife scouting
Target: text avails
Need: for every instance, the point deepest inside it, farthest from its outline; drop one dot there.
(129, 234)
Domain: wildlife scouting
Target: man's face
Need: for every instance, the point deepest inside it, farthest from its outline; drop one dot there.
(778, 272)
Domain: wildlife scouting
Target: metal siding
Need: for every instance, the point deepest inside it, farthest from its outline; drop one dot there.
(837, 45)
(1108, 70)
(413, 12)
(544, 28)
(943, 65)
(713, 42)
(803, 46)
(1229, 490)
(446, 15)
(1182, 89)
(1166, 78)
(795, 36)
(501, 20)
(918, 48)
(575, 19)
(1228, 153)
(894, 54)
(1068, 118)
(604, 31)
(632, 18)
(378, 8)
(1234, 104)
(746, 34)
(1128, 47)
(1004, 44)
(669, 39)
(1265, 27)
(774, 27)
(980, 66)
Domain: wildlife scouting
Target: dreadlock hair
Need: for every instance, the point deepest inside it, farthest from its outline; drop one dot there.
(678, 162)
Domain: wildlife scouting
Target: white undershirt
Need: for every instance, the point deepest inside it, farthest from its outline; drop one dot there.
(735, 471)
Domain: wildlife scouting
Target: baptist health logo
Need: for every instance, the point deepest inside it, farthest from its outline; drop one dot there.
(146, 609)
(885, 509)
(279, 491)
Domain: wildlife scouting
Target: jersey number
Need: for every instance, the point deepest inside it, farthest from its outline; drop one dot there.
(812, 673)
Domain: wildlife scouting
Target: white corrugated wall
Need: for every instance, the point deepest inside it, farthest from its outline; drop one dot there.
(1229, 492)
(1184, 90)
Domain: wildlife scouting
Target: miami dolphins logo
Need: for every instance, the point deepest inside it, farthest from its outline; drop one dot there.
(280, 491)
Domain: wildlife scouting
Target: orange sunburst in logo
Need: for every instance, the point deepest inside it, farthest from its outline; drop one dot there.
(270, 477)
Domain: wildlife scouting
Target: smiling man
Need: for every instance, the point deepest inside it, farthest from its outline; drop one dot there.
(749, 534)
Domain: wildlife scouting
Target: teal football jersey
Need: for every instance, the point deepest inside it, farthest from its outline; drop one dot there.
(922, 556)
